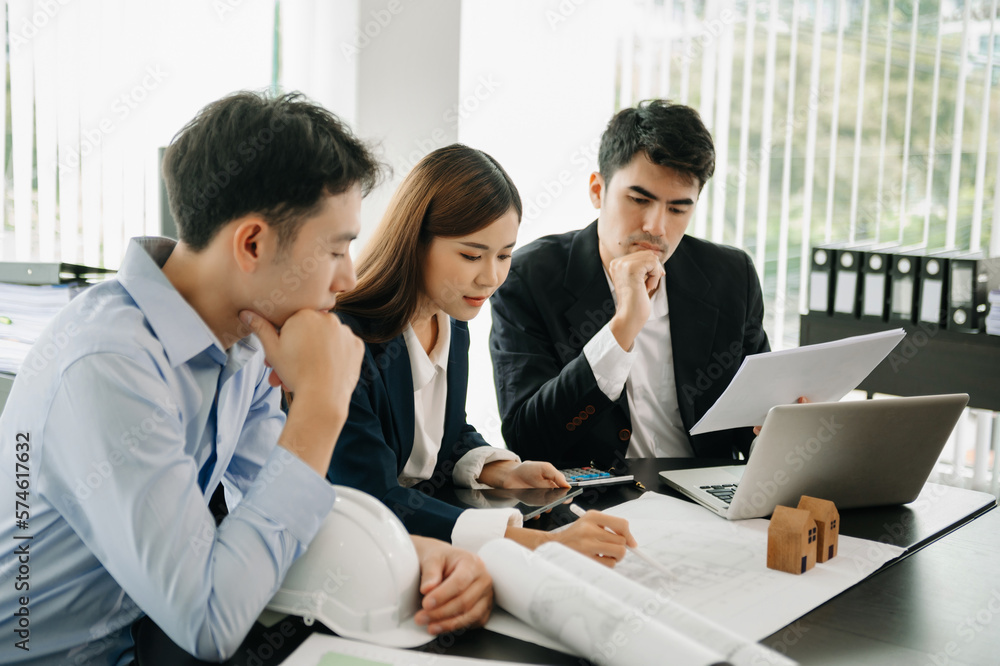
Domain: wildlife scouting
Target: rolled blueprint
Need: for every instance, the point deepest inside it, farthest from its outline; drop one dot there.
(569, 606)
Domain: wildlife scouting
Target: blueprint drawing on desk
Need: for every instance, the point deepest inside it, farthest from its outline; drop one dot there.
(712, 572)
(719, 570)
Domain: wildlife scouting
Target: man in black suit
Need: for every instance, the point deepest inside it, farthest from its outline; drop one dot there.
(613, 340)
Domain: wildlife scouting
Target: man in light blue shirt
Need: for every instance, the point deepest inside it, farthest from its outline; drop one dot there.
(147, 392)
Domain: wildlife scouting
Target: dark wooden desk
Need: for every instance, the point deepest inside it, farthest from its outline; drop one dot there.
(912, 611)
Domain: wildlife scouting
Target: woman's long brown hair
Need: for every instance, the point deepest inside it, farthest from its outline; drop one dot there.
(453, 191)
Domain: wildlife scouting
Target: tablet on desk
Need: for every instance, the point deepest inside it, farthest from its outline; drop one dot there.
(529, 501)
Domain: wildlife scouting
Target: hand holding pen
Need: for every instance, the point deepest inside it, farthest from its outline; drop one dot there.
(630, 544)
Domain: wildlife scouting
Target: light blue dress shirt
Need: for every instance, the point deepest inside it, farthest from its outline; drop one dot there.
(122, 403)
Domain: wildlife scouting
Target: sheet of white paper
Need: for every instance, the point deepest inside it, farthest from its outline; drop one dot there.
(720, 570)
(323, 650)
(824, 372)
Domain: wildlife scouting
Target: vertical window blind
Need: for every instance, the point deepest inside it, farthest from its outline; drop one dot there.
(835, 120)
(96, 88)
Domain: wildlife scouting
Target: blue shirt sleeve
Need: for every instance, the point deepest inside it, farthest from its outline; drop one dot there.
(257, 440)
(147, 521)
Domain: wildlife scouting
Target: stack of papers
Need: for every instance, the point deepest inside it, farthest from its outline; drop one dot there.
(25, 311)
(824, 372)
(993, 320)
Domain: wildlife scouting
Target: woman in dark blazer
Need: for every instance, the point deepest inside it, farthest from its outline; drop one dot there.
(441, 250)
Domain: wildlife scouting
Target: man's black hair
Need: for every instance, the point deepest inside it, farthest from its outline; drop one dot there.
(254, 153)
(671, 135)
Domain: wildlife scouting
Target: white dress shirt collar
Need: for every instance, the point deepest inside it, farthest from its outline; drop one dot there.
(425, 366)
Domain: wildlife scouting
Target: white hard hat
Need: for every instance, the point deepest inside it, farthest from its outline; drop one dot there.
(360, 575)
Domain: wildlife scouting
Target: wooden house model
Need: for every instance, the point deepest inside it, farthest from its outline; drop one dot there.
(827, 518)
(791, 540)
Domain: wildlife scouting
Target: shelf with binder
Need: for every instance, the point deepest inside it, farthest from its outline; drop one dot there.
(929, 360)
(892, 283)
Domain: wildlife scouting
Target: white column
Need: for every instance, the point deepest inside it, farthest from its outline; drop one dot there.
(321, 45)
(407, 85)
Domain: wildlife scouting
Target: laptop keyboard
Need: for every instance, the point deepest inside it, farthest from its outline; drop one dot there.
(722, 491)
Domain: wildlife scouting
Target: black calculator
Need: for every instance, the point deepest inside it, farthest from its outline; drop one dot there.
(591, 476)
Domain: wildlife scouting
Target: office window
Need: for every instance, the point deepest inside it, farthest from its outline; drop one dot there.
(833, 120)
(95, 88)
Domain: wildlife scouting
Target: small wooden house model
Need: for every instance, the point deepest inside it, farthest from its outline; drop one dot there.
(827, 518)
(791, 540)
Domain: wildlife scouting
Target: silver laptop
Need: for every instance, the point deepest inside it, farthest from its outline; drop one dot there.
(856, 453)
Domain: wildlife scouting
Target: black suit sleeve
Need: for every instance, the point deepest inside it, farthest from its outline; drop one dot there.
(754, 342)
(538, 396)
(754, 337)
(448, 457)
(364, 459)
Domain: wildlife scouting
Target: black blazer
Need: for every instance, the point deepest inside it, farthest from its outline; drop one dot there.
(377, 439)
(557, 298)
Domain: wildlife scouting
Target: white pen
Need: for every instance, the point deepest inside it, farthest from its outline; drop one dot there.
(577, 511)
